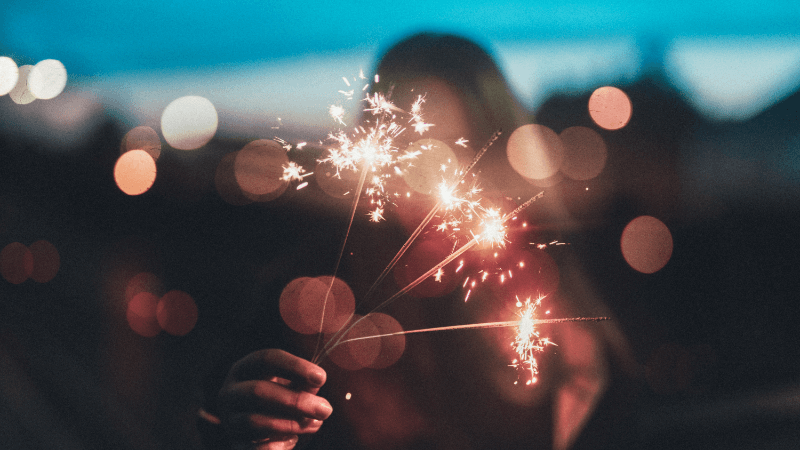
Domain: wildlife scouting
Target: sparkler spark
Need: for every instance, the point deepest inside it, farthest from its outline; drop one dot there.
(294, 172)
(371, 147)
(337, 112)
(527, 341)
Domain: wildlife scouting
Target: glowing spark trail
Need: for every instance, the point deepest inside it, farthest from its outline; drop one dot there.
(476, 326)
(294, 172)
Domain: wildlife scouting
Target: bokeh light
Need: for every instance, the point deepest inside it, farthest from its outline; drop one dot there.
(141, 314)
(20, 94)
(646, 244)
(177, 313)
(425, 174)
(142, 138)
(392, 347)
(189, 122)
(358, 354)
(585, 153)
(135, 172)
(143, 282)
(9, 74)
(46, 261)
(610, 108)
(47, 79)
(258, 169)
(16, 263)
(302, 301)
(535, 151)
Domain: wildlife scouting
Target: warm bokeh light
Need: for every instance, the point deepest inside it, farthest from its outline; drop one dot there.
(358, 354)
(20, 94)
(16, 263)
(9, 74)
(392, 347)
(135, 172)
(585, 153)
(46, 261)
(646, 244)
(177, 313)
(610, 108)
(426, 172)
(189, 122)
(141, 314)
(535, 151)
(47, 79)
(258, 169)
(143, 282)
(303, 299)
(142, 138)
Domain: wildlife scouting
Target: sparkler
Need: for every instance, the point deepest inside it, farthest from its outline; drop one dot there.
(527, 341)
(371, 150)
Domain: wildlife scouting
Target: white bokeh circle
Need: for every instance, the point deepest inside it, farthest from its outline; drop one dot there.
(9, 74)
(189, 122)
(47, 79)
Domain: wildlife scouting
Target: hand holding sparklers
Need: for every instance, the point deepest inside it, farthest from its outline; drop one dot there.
(269, 398)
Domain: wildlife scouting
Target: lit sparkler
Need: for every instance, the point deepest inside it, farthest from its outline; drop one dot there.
(371, 150)
(527, 341)
(294, 172)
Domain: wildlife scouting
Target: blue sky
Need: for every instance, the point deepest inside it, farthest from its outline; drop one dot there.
(101, 36)
(138, 52)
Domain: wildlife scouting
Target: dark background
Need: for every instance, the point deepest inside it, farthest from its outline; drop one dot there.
(714, 332)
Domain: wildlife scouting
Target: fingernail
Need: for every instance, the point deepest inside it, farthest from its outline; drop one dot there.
(322, 409)
(317, 377)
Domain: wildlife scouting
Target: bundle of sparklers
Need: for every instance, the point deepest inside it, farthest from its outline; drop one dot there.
(371, 151)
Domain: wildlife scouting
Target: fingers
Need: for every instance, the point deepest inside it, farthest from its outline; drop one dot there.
(272, 443)
(274, 398)
(265, 364)
(250, 426)
(269, 397)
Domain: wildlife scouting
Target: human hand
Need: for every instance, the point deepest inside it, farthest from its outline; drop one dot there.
(269, 398)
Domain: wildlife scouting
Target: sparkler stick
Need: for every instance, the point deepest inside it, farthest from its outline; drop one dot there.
(361, 180)
(475, 326)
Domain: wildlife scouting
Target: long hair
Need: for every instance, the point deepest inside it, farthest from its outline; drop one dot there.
(465, 66)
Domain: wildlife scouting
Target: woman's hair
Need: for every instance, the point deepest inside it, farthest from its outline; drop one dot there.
(465, 67)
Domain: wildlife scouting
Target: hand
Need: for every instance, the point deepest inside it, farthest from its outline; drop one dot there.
(269, 398)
